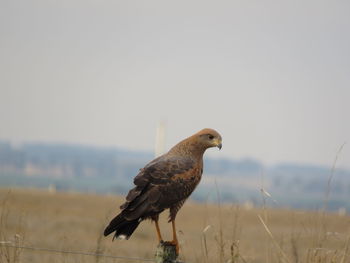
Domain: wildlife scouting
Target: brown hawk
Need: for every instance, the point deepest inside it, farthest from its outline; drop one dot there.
(166, 182)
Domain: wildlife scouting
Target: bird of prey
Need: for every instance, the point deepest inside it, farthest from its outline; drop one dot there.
(164, 183)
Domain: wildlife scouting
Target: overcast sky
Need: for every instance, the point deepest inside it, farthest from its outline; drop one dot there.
(271, 76)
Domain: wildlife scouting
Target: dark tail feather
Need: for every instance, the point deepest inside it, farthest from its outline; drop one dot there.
(122, 227)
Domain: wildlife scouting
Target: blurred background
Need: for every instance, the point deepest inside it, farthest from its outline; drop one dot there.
(85, 85)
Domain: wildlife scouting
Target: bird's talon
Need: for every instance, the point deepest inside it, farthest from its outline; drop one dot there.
(172, 243)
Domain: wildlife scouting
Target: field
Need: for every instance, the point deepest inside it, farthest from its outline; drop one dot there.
(207, 232)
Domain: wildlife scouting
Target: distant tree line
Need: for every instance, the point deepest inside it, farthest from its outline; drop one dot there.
(110, 170)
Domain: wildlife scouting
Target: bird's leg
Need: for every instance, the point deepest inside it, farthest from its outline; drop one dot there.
(160, 239)
(175, 237)
(175, 241)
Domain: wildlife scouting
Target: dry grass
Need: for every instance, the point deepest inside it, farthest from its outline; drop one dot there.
(208, 233)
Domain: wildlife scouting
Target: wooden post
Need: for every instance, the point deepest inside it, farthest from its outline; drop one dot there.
(166, 253)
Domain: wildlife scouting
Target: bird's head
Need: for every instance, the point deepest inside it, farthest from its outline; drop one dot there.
(196, 144)
(209, 138)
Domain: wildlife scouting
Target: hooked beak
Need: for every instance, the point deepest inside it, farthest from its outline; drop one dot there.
(219, 146)
(218, 143)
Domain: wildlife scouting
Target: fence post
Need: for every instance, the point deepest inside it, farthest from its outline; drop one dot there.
(166, 253)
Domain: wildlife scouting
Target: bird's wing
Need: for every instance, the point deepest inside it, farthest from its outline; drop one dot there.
(161, 184)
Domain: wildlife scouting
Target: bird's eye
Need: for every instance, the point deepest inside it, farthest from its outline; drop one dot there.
(211, 137)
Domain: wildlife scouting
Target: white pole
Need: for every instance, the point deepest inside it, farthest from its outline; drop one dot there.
(160, 139)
